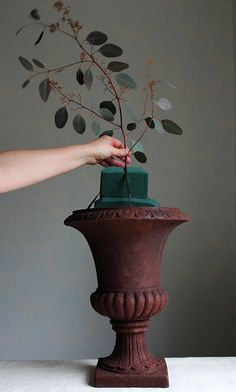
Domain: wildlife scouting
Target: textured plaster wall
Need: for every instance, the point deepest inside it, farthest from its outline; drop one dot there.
(46, 269)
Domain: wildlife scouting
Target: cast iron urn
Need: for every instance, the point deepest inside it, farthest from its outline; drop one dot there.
(127, 244)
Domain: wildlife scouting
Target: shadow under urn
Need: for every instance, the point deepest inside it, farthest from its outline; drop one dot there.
(127, 244)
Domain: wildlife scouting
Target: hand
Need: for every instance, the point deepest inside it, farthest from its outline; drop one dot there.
(20, 168)
(107, 151)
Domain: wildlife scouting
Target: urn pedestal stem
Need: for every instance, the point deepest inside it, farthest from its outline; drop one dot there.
(127, 245)
(131, 364)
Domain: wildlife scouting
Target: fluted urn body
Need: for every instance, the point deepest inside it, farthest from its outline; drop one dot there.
(127, 244)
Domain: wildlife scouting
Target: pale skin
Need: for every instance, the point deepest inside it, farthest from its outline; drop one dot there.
(21, 168)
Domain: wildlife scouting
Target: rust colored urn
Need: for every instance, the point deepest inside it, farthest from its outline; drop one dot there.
(127, 244)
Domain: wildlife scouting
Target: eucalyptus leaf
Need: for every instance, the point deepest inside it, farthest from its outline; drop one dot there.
(44, 89)
(125, 80)
(117, 66)
(39, 38)
(131, 126)
(26, 82)
(88, 78)
(110, 50)
(80, 76)
(96, 128)
(35, 14)
(79, 124)
(150, 122)
(61, 117)
(163, 103)
(107, 133)
(171, 127)
(158, 126)
(106, 114)
(38, 63)
(96, 38)
(108, 105)
(26, 63)
(139, 153)
(140, 156)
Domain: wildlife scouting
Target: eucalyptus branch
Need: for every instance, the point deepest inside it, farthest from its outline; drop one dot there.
(96, 42)
(111, 83)
(118, 100)
(150, 85)
(104, 72)
(49, 70)
(140, 137)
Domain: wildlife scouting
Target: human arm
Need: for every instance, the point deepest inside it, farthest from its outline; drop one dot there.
(20, 168)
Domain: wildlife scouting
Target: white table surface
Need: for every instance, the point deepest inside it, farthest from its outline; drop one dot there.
(206, 374)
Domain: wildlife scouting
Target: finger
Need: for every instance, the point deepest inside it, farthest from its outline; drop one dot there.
(111, 162)
(114, 162)
(126, 159)
(103, 163)
(117, 143)
(122, 152)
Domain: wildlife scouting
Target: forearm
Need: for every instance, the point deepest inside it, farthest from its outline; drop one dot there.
(21, 168)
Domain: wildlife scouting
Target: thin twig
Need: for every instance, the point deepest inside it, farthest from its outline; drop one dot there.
(107, 88)
(48, 70)
(81, 105)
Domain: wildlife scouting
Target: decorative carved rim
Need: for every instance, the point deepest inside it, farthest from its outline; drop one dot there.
(163, 213)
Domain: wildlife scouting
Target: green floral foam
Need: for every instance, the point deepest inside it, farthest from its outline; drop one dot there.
(114, 190)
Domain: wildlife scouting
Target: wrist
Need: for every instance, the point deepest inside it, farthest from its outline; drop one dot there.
(81, 154)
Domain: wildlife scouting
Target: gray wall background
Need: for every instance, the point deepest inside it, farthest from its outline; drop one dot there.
(46, 269)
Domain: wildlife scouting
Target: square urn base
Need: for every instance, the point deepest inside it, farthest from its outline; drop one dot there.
(157, 378)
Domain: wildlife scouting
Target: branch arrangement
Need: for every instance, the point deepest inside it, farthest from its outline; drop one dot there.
(94, 49)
